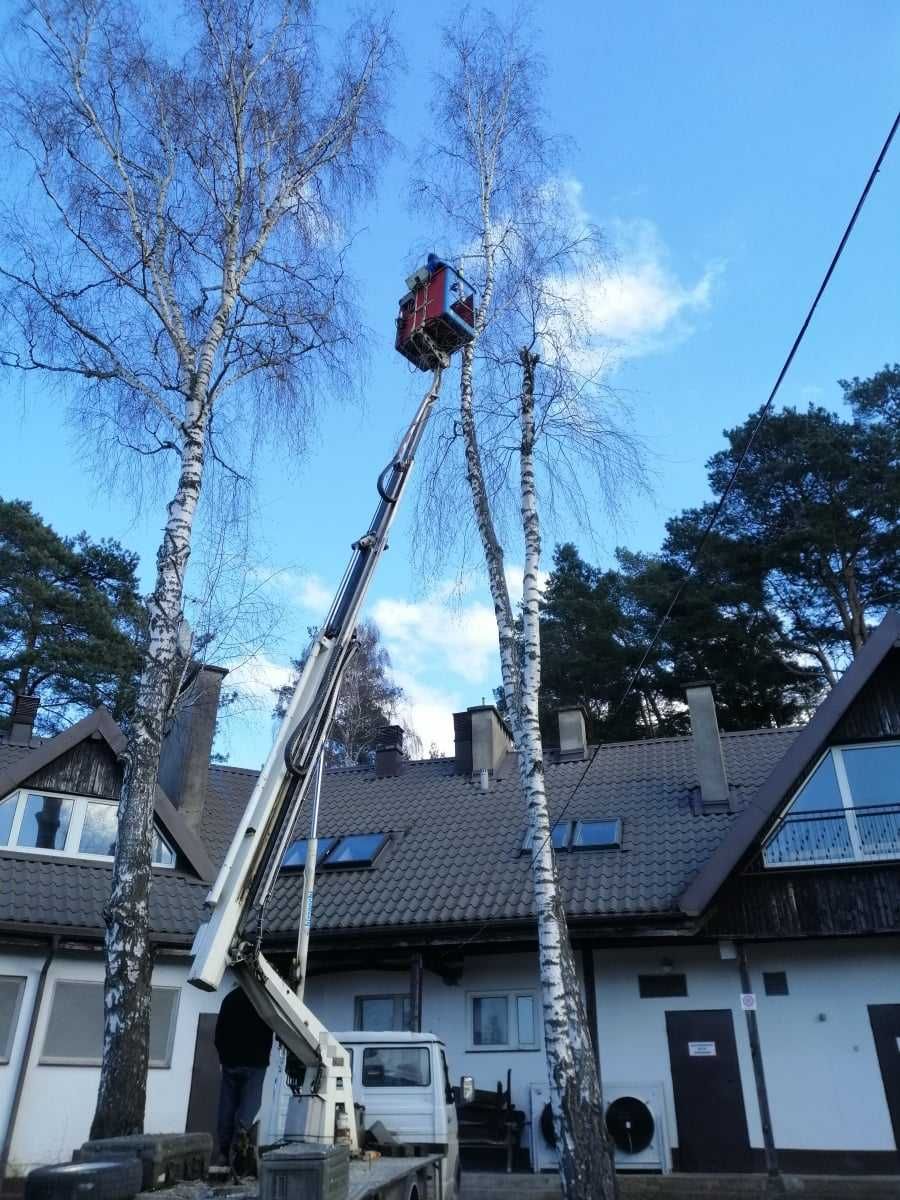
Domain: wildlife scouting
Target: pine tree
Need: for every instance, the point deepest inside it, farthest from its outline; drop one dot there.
(70, 619)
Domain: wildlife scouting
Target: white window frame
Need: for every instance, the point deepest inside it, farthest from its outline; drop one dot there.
(512, 995)
(849, 810)
(76, 827)
(59, 1060)
(6, 1051)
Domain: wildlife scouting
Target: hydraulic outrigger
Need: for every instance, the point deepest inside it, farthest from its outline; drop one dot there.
(232, 935)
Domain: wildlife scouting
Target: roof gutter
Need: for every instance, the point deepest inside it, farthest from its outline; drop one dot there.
(25, 1060)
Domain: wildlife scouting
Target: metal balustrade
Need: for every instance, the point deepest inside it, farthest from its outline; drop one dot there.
(837, 835)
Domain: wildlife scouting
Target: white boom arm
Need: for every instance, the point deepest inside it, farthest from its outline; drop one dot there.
(251, 866)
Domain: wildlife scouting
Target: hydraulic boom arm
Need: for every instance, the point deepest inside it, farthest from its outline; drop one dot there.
(248, 873)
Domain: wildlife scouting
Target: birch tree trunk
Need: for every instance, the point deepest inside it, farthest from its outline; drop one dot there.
(121, 1098)
(586, 1164)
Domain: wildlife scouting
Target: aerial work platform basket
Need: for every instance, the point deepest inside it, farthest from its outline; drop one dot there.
(437, 314)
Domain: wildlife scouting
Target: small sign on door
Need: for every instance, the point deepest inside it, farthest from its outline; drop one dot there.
(702, 1049)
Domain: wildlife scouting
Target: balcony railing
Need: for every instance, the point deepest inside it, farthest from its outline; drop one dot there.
(838, 835)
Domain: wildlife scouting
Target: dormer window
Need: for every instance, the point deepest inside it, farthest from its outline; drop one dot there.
(847, 810)
(69, 826)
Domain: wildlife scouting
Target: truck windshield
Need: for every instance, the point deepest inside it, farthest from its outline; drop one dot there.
(396, 1066)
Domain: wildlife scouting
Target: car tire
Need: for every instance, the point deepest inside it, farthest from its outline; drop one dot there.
(110, 1179)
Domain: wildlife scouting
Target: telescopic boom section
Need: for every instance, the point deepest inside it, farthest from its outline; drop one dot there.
(250, 868)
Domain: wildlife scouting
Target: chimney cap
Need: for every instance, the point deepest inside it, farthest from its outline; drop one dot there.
(388, 737)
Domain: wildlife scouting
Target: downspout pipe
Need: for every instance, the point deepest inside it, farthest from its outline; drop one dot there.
(25, 1060)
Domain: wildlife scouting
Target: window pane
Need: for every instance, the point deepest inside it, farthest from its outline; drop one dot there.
(358, 850)
(396, 1066)
(98, 835)
(560, 836)
(295, 856)
(525, 1019)
(75, 1028)
(775, 983)
(874, 774)
(375, 1012)
(45, 822)
(653, 987)
(163, 855)
(11, 987)
(820, 792)
(7, 812)
(596, 833)
(490, 1020)
(163, 1010)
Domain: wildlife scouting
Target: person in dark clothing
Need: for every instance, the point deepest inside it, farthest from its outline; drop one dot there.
(244, 1044)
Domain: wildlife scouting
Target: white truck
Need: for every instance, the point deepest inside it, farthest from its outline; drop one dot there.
(342, 1084)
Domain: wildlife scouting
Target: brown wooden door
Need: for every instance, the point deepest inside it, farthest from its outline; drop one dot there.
(203, 1104)
(885, 1020)
(709, 1102)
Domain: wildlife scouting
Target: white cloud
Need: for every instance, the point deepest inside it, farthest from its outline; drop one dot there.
(429, 711)
(460, 641)
(302, 589)
(257, 677)
(641, 306)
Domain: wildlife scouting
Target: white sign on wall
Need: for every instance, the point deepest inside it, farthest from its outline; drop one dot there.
(702, 1049)
(748, 1001)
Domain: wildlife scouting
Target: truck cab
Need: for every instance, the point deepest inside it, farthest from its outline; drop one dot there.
(401, 1080)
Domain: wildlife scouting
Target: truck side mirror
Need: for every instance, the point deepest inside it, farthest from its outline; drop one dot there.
(466, 1089)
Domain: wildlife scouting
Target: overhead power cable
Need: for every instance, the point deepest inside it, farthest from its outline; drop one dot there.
(723, 499)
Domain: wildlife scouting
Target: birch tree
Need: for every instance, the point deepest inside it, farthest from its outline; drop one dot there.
(530, 421)
(176, 267)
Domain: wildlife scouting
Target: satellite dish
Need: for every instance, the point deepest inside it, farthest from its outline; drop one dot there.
(630, 1124)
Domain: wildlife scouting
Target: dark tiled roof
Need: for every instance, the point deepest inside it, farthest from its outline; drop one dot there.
(69, 895)
(453, 855)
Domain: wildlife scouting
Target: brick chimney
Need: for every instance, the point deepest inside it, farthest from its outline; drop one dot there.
(186, 748)
(572, 733)
(715, 796)
(24, 711)
(389, 752)
(482, 740)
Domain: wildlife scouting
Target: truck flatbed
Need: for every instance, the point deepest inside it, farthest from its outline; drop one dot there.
(381, 1175)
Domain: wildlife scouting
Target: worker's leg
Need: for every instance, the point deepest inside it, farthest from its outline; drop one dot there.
(247, 1111)
(229, 1099)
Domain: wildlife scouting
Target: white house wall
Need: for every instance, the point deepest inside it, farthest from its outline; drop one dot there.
(445, 1013)
(823, 1077)
(824, 1081)
(58, 1102)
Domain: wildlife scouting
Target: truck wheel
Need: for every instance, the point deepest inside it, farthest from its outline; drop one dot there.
(112, 1179)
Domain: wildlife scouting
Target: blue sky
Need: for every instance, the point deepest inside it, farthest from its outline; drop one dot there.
(721, 146)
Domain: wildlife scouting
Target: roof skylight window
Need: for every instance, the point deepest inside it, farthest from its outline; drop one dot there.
(561, 834)
(597, 835)
(582, 835)
(295, 855)
(357, 850)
